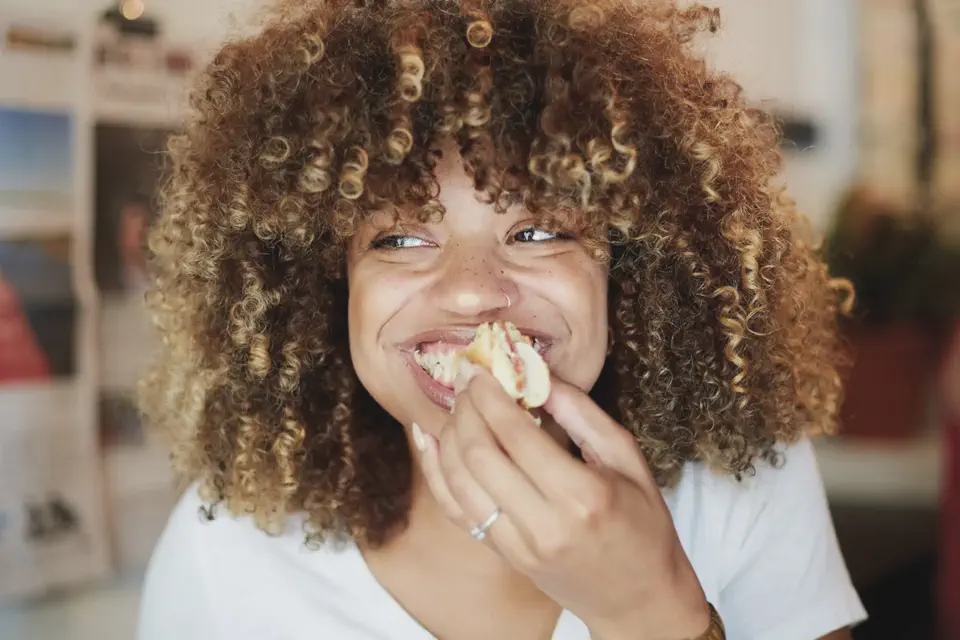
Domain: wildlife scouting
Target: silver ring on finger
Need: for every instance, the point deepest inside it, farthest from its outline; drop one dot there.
(479, 532)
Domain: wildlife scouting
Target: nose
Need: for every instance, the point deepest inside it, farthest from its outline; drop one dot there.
(476, 285)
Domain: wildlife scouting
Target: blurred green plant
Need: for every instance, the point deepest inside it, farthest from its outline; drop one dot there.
(904, 265)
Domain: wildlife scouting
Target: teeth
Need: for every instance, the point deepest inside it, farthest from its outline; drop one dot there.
(440, 366)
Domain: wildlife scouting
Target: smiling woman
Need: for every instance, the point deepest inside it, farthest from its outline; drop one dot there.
(362, 185)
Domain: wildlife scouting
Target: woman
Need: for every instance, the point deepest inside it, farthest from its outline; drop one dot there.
(366, 181)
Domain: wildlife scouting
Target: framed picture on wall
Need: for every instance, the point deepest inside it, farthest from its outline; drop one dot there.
(129, 167)
(38, 311)
(36, 163)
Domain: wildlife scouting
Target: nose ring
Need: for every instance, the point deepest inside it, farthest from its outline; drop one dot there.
(509, 302)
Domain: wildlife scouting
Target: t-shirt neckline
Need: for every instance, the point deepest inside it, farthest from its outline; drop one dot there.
(408, 626)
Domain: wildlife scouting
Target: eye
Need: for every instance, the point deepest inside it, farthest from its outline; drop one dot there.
(398, 241)
(533, 234)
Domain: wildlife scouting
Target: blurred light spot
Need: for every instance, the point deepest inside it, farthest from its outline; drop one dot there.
(131, 9)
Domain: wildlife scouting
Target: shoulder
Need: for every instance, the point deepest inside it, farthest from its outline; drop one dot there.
(722, 519)
(765, 547)
(205, 539)
(215, 575)
(195, 529)
(205, 562)
(175, 596)
(793, 475)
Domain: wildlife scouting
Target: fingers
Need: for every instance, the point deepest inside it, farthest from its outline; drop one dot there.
(499, 476)
(595, 432)
(462, 498)
(473, 500)
(552, 470)
(433, 473)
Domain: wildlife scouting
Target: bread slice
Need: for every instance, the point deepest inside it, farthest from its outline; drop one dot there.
(509, 355)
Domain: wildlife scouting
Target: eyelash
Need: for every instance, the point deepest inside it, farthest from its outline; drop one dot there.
(393, 241)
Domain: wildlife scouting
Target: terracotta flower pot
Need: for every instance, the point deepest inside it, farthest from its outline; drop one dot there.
(886, 390)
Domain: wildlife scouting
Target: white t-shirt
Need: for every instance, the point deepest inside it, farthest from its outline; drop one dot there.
(764, 549)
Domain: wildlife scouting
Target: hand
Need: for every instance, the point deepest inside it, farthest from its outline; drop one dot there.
(597, 538)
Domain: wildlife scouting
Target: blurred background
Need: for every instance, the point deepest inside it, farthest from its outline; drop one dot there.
(868, 94)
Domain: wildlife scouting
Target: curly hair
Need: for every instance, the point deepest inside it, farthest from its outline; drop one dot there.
(723, 319)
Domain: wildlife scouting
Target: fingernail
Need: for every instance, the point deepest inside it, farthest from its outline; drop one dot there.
(419, 438)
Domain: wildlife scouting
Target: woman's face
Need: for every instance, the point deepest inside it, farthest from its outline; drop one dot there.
(425, 287)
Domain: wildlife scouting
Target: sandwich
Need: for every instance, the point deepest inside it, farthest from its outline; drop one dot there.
(514, 361)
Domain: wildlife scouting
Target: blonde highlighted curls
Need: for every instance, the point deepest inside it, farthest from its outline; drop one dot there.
(618, 139)
(480, 33)
(409, 89)
(722, 317)
(353, 173)
(585, 16)
(311, 49)
(410, 84)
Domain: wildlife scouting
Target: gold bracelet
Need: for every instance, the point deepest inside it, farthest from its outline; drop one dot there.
(716, 630)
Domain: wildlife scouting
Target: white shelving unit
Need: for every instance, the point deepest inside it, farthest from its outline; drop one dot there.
(54, 425)
(42, 82)
(882, 474)
(113, 336)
